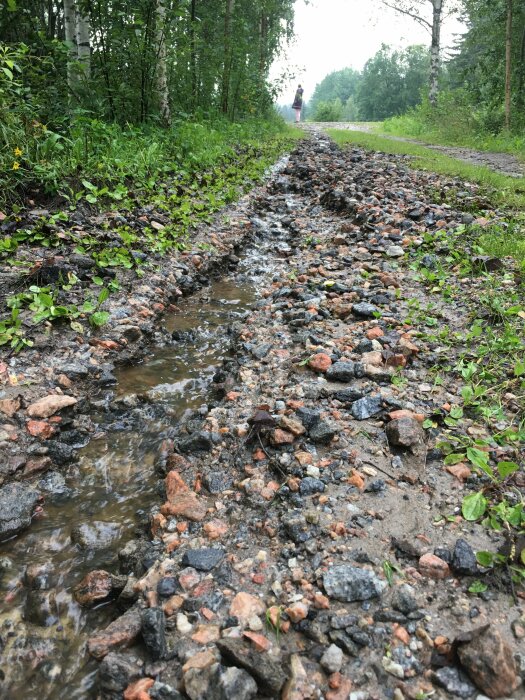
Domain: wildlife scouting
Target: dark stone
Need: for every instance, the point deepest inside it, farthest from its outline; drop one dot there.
(162, 691)
(203, 559)
(463, 559)
(404, 599)
(54, 486)
(268, 674)
(168, 586)
(196, 442)
(342, 639)
(364, 309)
(309, 486)
(444, 553)
(348, 395)
(389, 616)
(488, 659)
(376, 486)
(115, 673)
(40, 608)
(297, 529)
(341, 622)
(323, 433)
(17, 503)
(454, 682)
(366, 407)
(153, 628)
(59, 452)
(350, 583)
(341, 371)
(405, 432)
(309, 417)
(365, 345)
(261, 351)
(217, 482)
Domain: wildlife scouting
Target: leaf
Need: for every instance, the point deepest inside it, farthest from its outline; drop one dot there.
(99, 318)
(78, 327)
(477, 587)
(98, 281)
(480, 460)
(507, 468)
(91, 198)
(519, 368)
(454, 458)
(485, 559)
(456, 412)
(474, 506)
(104, 294)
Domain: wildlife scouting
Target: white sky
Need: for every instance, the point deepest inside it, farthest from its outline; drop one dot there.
(335, 34)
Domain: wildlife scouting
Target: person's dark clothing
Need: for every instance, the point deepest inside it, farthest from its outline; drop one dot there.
(298, 101)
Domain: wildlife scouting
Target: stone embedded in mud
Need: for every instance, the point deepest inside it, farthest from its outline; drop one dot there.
(163, 691)
(217, 482)
(122, 632)
(404, 599)
(309, 417)
(433, 567)
(10, 406)
(297, 687)
(203, 559)
(364, 310)
(454, 682)
(245, 606)
(320, 362)
(350, 583)
(115, 673)
(310, 486)
(138, 690)
(98, 586)
(297, 528)
(341, 371)
(323, 433)
(464, 559)
(268, 674)
(368, 406)
(153, 628)
(182, 501)
(196, 442)
(488, 659)
(218, 683)
(405, 432)
(332, 659)
(17, 504)
(395, 251)
(49, 405)
(40, 429)
(281, 437)
(95, 535)
(292, 426)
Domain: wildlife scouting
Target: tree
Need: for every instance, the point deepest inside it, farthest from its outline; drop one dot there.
(162, 65)
(418, 11)
(508, 64)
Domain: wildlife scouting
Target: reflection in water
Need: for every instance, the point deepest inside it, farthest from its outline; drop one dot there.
(43, 631)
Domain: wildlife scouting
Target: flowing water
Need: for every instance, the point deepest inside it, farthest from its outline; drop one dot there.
(113, 482)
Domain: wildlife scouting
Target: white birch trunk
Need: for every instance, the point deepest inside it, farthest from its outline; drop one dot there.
(83, 39)
(71, 39)
(162, 63)
(435, 50)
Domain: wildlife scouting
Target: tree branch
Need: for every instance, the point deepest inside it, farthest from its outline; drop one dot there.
(425, 23)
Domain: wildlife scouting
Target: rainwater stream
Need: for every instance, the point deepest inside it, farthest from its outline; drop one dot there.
(113, 482)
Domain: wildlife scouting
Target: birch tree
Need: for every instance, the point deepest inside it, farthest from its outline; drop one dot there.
(508, 64)
(419, 10)
(70, 27)
(162, 63)
(83, 40)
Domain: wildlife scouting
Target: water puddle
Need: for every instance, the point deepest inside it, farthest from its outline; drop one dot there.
(109, 490)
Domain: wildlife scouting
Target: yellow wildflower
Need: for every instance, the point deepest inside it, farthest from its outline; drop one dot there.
(18, 152)
(16, 165)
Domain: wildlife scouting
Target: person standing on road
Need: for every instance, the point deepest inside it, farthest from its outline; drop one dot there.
(298, 104)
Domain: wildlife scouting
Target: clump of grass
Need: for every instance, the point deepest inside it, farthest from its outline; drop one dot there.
(502, 243)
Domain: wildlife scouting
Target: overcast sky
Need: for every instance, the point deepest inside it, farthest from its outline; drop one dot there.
(335, 34)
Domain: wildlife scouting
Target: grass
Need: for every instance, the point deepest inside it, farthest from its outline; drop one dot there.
(505, 244)
(507, 191)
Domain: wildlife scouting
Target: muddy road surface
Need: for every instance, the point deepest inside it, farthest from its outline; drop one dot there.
(235, 491)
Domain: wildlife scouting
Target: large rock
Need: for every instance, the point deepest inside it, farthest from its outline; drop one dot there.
(489, 661)
(153, 627)
(405, 432)
(49, 405)
(341, 372)
(98, 586)
(350, 583)
(182, 501)
(17, 504)
(464, 559)
(121, 633)
(268, 674)
(204, 559)
(95, 535)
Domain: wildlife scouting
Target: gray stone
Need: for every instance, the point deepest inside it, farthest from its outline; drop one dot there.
(268, 674)
(153, 628)
(309, 417)
(366, 407)
(162, 691)
(236, 684)
(17, 503)
(341, 371)
(454, 682)
(332, 659)
(463, 559)
(323, 433)
(350, 583)
(405, 432)
(196, 442)
(95, 535)
(395, 251)
(115, 673)
(364, 309)
(204, 559)
(310, 485)
(404, 599)
(217, 482)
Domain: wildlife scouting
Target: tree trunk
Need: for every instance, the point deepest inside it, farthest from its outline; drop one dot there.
(83, 40)
(225, 92)
(162, 64)
(193, 55)
(435, 51)
(521, 85)
(508, 65)
(71, 39)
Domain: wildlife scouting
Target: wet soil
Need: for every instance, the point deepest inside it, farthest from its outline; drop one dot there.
(253, 499)
(503, 163)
